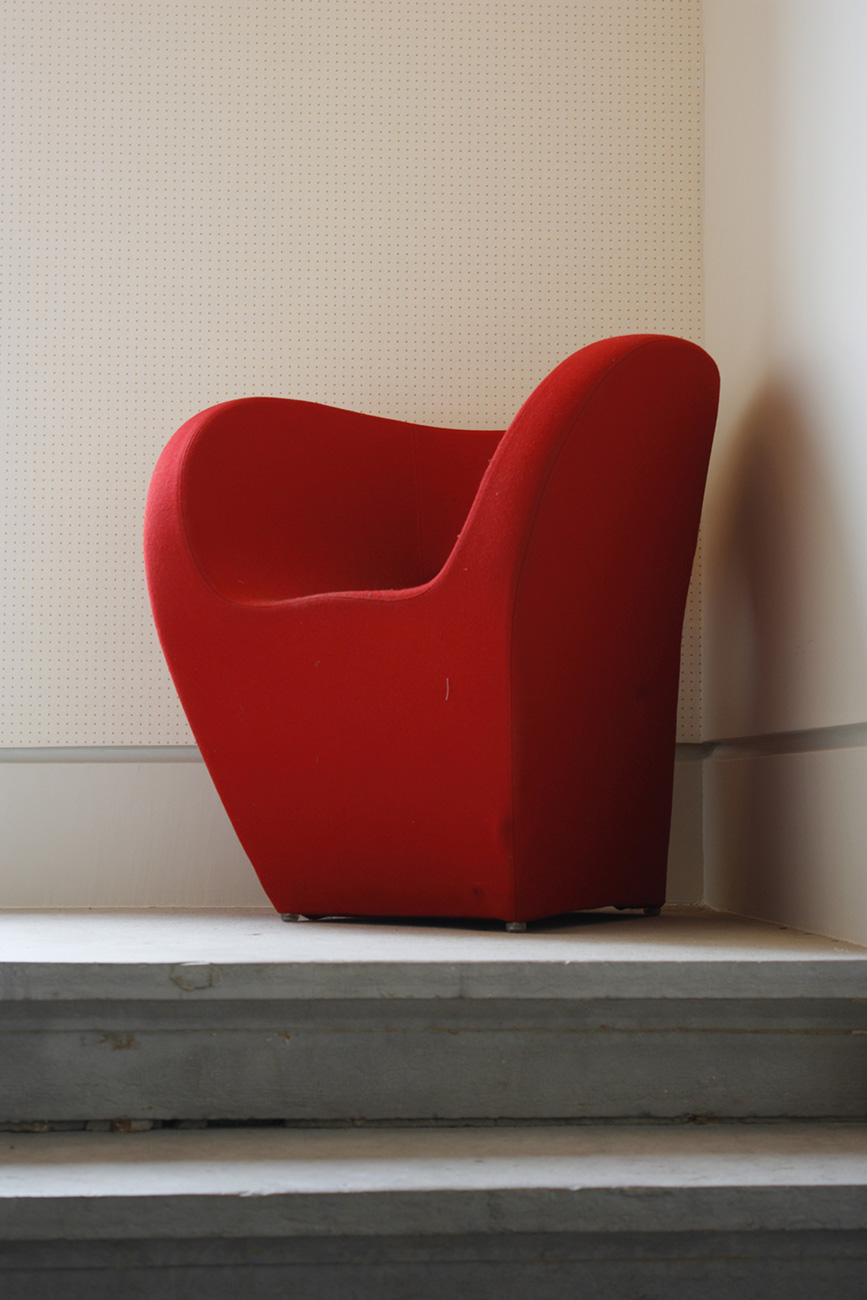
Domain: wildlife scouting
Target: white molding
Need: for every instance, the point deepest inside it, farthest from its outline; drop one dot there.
(851, 735)
(102, 754)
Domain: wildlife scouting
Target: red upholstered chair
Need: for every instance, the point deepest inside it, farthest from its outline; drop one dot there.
(434, 672)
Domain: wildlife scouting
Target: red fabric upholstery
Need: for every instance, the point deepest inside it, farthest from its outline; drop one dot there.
(435, 672)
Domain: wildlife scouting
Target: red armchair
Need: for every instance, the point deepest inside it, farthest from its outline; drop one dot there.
(434, 672)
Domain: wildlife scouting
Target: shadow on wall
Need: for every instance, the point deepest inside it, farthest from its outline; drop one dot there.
(784, 638)
(785, 651)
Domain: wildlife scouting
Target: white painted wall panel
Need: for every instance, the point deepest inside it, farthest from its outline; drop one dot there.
(409, 207)
(118, 834)
(784, 839)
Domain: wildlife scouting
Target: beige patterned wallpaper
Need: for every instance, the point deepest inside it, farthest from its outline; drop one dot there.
(409, 207)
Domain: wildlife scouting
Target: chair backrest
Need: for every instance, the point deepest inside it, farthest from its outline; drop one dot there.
(597, 490)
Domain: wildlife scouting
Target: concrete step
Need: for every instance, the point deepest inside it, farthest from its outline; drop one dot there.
(149, 1016)
(706, 1211)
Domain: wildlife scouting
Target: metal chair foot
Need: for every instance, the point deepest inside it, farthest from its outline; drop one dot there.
(651, 911)
(292, 916)
(516, 927)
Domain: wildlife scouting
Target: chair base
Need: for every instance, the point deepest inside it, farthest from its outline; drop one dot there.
(512, 927)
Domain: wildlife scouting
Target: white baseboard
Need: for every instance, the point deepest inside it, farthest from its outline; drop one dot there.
(144, 828)
(768, 828)
(118, 834)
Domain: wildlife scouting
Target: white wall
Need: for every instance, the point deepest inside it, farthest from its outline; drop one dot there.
(409, 207)
(785, 554)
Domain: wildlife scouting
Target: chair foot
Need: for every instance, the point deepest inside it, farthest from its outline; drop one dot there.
(516, 927)
(651, 911)
(292, 916)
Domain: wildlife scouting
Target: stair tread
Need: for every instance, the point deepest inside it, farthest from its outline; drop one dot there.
(269, 1181)
(254, 955)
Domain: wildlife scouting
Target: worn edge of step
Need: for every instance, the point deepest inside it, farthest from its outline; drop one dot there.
(536, 979)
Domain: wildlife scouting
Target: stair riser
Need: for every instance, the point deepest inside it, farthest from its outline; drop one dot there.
(417, 1060)
(550, 1266)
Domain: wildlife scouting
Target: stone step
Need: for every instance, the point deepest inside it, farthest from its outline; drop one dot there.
(711, 1210)
(228, 1016)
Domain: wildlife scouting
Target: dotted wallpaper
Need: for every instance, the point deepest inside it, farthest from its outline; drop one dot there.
(414, 208)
